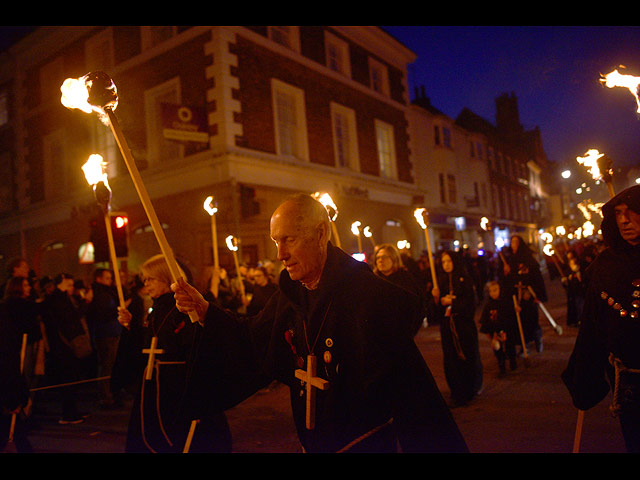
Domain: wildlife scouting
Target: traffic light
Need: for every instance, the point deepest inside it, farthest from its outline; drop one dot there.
(248, 204)
(120, 231)
(98, 236)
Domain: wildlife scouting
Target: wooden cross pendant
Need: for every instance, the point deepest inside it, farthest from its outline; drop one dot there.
(152, 351)
(312, 381)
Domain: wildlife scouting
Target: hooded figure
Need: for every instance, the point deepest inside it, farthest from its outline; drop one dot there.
(606, 354)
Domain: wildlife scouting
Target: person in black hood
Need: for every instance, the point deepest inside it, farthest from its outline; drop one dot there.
(331, 310)
(606, 354)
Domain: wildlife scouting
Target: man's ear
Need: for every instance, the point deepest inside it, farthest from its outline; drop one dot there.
(323, 233)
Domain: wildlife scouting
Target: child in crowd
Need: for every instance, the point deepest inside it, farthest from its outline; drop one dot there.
(498, 322)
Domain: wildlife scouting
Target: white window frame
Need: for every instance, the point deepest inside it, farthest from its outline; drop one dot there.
(386, 149)
(56, 171)
(287, 36)
(378, 77)
(300, 143)
(153, 114)
(148, 39)
(337, 54)
(50, 75)
(350, 150)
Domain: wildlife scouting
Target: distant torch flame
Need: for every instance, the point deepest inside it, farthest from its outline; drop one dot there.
(355, 227)
(548, 250)
(367, 232)
(617, 79)
(590, 160)
(419, 214)
(94, 170)
(326, 200)
(232, 243)
(210, 205)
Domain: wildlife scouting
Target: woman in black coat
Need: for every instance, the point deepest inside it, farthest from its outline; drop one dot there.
(162, 413)
(455, 300)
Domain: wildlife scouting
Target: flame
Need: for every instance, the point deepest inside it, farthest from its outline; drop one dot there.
(548, 250)
(232, 243)
(547, 237)
(560, 230)
(590, 160)
(94, 170)
(75, 94)
(354, 227)
(326, 200)
(419, 214)
(617, 79)
(403, 244)
(587, 228)
(367, 232)
(210, 205)
(484, 223)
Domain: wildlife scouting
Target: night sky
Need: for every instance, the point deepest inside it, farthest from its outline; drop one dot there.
(554, 72)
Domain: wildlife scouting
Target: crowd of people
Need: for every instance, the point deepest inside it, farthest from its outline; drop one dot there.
(73, 331)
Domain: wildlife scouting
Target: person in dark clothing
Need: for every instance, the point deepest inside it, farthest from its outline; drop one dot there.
(63, 322)
(263, 289)
(389, 265)
(25, 312)
(333, 311)
(499, 323)
(102, 316)
(575, 287)
(161, 415)
(455, 300)
(14, 393)
(520, 271)
(606, 354)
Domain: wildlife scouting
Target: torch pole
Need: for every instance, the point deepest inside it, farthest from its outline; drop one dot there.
(431, 263)
(114, 259)
(146, 201)
(214, 234)
(237, 264)
(335, 234)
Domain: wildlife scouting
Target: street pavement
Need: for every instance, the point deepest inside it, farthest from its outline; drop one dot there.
(527, 411)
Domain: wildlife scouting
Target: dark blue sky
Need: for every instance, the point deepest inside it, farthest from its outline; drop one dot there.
(554, 71)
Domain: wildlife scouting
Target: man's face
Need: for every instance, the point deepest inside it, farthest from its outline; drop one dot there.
(628, 224)
(106, 278)
(299, 245)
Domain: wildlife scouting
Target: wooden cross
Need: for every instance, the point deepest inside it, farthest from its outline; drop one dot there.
(152, 351)
(312, 381)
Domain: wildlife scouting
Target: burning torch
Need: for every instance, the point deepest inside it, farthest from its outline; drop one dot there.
(422, 217)
(211, 207)
(97, 93)
(599, 166)
(232, 244)
(355, 229)
(326, 200)
(94, 172)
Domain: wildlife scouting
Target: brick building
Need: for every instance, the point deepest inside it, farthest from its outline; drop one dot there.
(248, 114)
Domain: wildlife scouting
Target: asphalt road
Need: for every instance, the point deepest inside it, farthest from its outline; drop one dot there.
(526, 411)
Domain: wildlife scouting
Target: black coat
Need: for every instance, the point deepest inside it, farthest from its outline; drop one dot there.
(359, 327)
(610, 320)
(165, 429)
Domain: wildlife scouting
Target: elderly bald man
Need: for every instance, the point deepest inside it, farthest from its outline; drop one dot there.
(377, 391)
